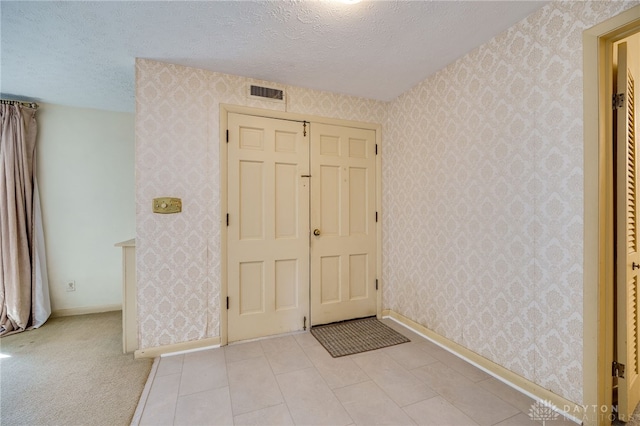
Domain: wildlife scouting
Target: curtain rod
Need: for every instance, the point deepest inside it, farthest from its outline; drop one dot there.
(22, 103)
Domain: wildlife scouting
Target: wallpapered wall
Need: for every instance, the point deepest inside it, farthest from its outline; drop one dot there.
(177, 155)
(483, 198)
(482, 195)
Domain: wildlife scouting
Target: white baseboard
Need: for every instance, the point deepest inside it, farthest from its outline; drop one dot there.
(174, 349)
(568, 409)
(85, 310)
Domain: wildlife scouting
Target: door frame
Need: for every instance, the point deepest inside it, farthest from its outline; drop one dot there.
(225, 109)
(599, 259)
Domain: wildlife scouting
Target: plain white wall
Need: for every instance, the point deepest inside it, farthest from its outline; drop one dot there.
(85, 170)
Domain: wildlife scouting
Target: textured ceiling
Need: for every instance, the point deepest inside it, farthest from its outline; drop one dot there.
(82, 53)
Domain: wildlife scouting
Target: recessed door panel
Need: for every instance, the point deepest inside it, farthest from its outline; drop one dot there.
(330, 199)
(358, 207)
(251, 200)
(329, 145)
(329, 279)
(286, 284)
(357, 148)
(358, 278)
(251, 288)
(286, 202)
(286, 141)
(251, 138)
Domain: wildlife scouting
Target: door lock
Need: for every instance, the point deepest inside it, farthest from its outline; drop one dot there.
(316, 232)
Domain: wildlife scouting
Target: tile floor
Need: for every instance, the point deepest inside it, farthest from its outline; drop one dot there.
(293, 380)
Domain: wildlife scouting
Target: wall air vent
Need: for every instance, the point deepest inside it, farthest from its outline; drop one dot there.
(266, 93)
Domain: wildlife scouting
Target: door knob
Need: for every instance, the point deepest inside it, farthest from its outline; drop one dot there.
(634, 265)
(316, 232)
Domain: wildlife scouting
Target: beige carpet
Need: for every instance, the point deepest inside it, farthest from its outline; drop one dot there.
(70, 371)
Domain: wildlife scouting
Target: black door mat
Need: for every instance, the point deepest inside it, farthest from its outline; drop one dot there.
(355, 336)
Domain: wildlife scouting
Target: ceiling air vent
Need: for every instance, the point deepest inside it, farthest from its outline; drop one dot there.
(266, 93)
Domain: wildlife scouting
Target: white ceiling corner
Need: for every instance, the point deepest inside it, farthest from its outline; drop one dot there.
(83, 53)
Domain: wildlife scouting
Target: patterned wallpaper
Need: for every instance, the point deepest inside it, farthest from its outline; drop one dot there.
(177, 150)
(482, 195)
(483, 198)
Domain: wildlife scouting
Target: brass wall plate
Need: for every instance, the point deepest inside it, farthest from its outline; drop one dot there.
(166, 205)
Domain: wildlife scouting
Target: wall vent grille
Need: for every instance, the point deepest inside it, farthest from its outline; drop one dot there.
(266, 93)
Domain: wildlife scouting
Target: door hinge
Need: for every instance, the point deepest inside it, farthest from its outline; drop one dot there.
(227, 219)
(376, 216)
(376, 283)
(227, 135)
(618, 100)
(617, 370)
(376, 149)
(227, 302)
(304, 324)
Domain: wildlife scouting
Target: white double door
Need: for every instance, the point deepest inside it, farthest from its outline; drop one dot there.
(301, 239)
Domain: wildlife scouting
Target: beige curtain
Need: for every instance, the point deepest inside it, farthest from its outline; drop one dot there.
(24, 290)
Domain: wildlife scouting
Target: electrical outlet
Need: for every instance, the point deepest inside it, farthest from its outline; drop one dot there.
(71, 285)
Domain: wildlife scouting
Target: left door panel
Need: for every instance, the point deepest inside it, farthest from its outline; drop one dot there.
(268, 232)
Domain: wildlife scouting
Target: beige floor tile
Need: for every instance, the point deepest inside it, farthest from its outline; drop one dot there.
(252, 385)
(437, 411)
(242, 351)
(276, 415)
(212, 407)
(367, 404)
(482, 406)
(401, 385)
(433, 349)
(442, 379)
(306, 340)
(170, 365)
(203, 370)
(337, 372)
(279, 344)
(288, 380)
(161, 403)
(453, 361)
(476, 402)
(409, 355)
(310, 400)
(288, 360)
(518, 420)
(519, 400)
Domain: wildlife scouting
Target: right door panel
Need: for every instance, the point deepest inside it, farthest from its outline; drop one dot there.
(343, 254)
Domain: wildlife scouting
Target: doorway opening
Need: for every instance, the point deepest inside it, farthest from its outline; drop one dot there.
(599, 213)
(626, 366)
